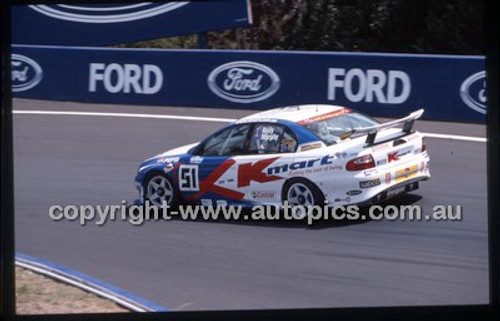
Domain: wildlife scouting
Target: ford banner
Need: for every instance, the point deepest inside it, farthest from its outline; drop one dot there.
(449, 88)
(105, 24)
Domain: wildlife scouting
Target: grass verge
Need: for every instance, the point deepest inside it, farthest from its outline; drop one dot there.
(38, 294)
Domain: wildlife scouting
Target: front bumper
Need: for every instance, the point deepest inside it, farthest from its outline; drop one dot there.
(139, 187)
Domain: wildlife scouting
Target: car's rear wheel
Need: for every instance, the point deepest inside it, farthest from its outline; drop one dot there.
(160, 191)
(301, 194)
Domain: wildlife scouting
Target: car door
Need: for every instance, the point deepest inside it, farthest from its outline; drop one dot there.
(263, 169)
(210, 175)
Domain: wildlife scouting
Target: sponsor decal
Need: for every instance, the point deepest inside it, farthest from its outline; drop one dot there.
(372, 85)
(196, 160)
(259, 172)
(329, 115)
(254, 172)
(221, 202)
(168, 160)
(370, 172)
(281, 169)
(407, 172)
(354, 192)
(288, 145)
(381, 146)
(263, 195)
(260, 120)
(243, 82)
(387, 178)
(26, 73)
(473, 92)
(347, 199)
(392, 157)
(370, 183)
(381, 162)
(144, 79)
(206, 202)
(208, 184)
(168, 168)
(342, 155)
(106, 13)
(268, 134)
(306, 147)
(395, 156)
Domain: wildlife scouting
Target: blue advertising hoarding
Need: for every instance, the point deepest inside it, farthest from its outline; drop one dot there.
(450, 88)
(105, 24)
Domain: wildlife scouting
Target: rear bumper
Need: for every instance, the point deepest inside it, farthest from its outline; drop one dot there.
(378, 184)
(397, 189)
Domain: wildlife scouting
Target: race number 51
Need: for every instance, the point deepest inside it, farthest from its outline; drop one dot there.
(188, 178)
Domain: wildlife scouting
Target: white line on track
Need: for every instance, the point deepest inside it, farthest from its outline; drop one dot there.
(456, 137)
(123, 115)
(196, 118)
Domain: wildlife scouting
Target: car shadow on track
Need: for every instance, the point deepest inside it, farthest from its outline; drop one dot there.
(400, 200)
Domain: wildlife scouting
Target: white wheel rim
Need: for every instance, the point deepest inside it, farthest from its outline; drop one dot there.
(159, 190)
(301, 197)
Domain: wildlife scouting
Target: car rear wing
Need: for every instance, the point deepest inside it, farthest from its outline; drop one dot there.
(372, 131)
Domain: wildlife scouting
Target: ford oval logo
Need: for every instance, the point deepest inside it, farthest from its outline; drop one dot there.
(106, 13)
(26, 73)
(473, 92)
(243, 82)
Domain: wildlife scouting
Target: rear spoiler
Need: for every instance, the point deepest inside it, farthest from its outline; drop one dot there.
(372, 131)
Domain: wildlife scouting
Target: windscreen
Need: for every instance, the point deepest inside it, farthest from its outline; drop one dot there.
(329, 130)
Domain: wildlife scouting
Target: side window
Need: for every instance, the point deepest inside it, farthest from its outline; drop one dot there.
(228, 142)
(288, 142)
(271, 139)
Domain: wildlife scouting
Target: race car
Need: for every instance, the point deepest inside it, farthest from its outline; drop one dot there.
(302, 155)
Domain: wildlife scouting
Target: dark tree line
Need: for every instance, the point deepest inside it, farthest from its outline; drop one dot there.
(410, 26)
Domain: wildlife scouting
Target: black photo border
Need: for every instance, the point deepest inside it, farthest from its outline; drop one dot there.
(455, 312)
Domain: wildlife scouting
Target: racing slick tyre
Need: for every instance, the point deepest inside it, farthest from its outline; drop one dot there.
(301, 193)
(160, 190)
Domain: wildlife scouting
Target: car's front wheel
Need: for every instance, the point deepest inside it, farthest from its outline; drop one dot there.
(301, 194)
(160, 191)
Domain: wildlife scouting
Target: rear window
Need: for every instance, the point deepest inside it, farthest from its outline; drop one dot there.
(329, 130)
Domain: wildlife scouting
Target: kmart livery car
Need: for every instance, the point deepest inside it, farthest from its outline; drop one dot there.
(305, 155)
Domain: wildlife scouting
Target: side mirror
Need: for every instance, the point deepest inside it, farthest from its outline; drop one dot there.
(196, 150)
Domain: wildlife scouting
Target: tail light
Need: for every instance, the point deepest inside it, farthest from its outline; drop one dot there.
(424, 145)
(360, 163)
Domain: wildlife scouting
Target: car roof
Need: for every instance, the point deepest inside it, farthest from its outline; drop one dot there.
(296, 113)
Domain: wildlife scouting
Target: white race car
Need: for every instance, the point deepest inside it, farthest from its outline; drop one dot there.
(305, 155)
